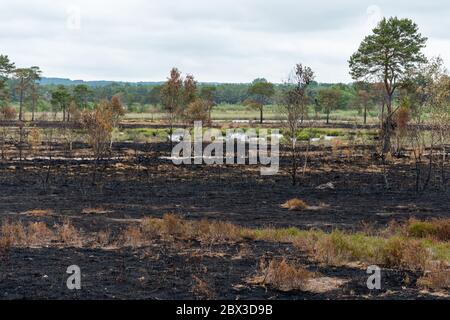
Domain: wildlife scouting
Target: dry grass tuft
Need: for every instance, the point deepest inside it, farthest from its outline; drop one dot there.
(285, 277)
(324, 284)
(295, 205)
(39, 234)
(152, 228)
(94, 211)
(14, 233)
(174, 226)
(103, 238)
(5, 246)
(336, 144)
(133, 237)
(437, 277)
(69, 235)
(398, 252)
(201, 289)
(217, 231)
(33, 234)
(40, 212)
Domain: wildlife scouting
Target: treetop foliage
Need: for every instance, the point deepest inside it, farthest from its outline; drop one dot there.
(389, 52)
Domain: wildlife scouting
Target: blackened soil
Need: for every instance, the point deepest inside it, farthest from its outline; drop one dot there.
(164, 271)
(138, 184)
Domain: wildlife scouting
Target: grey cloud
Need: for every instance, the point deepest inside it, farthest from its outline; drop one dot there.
(215, 40)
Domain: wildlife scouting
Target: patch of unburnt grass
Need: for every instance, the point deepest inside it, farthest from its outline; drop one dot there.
(336, 248)
(340, 248)
(414, 245)
(396, 248)
(438, 229)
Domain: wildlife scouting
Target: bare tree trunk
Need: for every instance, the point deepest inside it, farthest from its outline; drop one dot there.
(387, 127)
(365, 114)
(385, 172)
(417, 176)
(443, 177)
(20, 144)
(47, 177)
(33, 109)
(94, 171)
(3, 142)
(171, 133)
(306, 157)
(261, 115)
(294, 162)
(430, 169)
(21, 105)
(209, 115)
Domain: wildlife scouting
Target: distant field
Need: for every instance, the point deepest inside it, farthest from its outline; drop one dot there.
(147, 135)
(271, 112)
(230, 112)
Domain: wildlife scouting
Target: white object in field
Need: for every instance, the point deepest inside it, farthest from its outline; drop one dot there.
(276, 135)
(173, 158)
(329, 138)
(240, 121)
(257, 140)
(221, 138)
(315, 139)
(326, 186)
(175, 137)
(242, 137)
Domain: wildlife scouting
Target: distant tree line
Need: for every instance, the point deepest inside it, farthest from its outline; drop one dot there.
(22, 87)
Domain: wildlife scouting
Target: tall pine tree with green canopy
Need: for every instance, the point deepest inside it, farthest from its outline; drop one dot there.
(260, 92)
(6, 68)
(393, 48)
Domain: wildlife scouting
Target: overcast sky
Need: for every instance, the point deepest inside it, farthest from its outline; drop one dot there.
(216, 40)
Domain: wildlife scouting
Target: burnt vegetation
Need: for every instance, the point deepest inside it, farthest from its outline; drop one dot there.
(85, 184)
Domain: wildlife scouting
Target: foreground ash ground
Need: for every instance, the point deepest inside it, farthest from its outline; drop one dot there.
(139, 185)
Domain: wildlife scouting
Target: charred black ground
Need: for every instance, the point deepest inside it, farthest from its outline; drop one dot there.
(138, 184)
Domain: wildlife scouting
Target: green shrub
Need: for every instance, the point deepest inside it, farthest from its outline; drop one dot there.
(420, 229)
